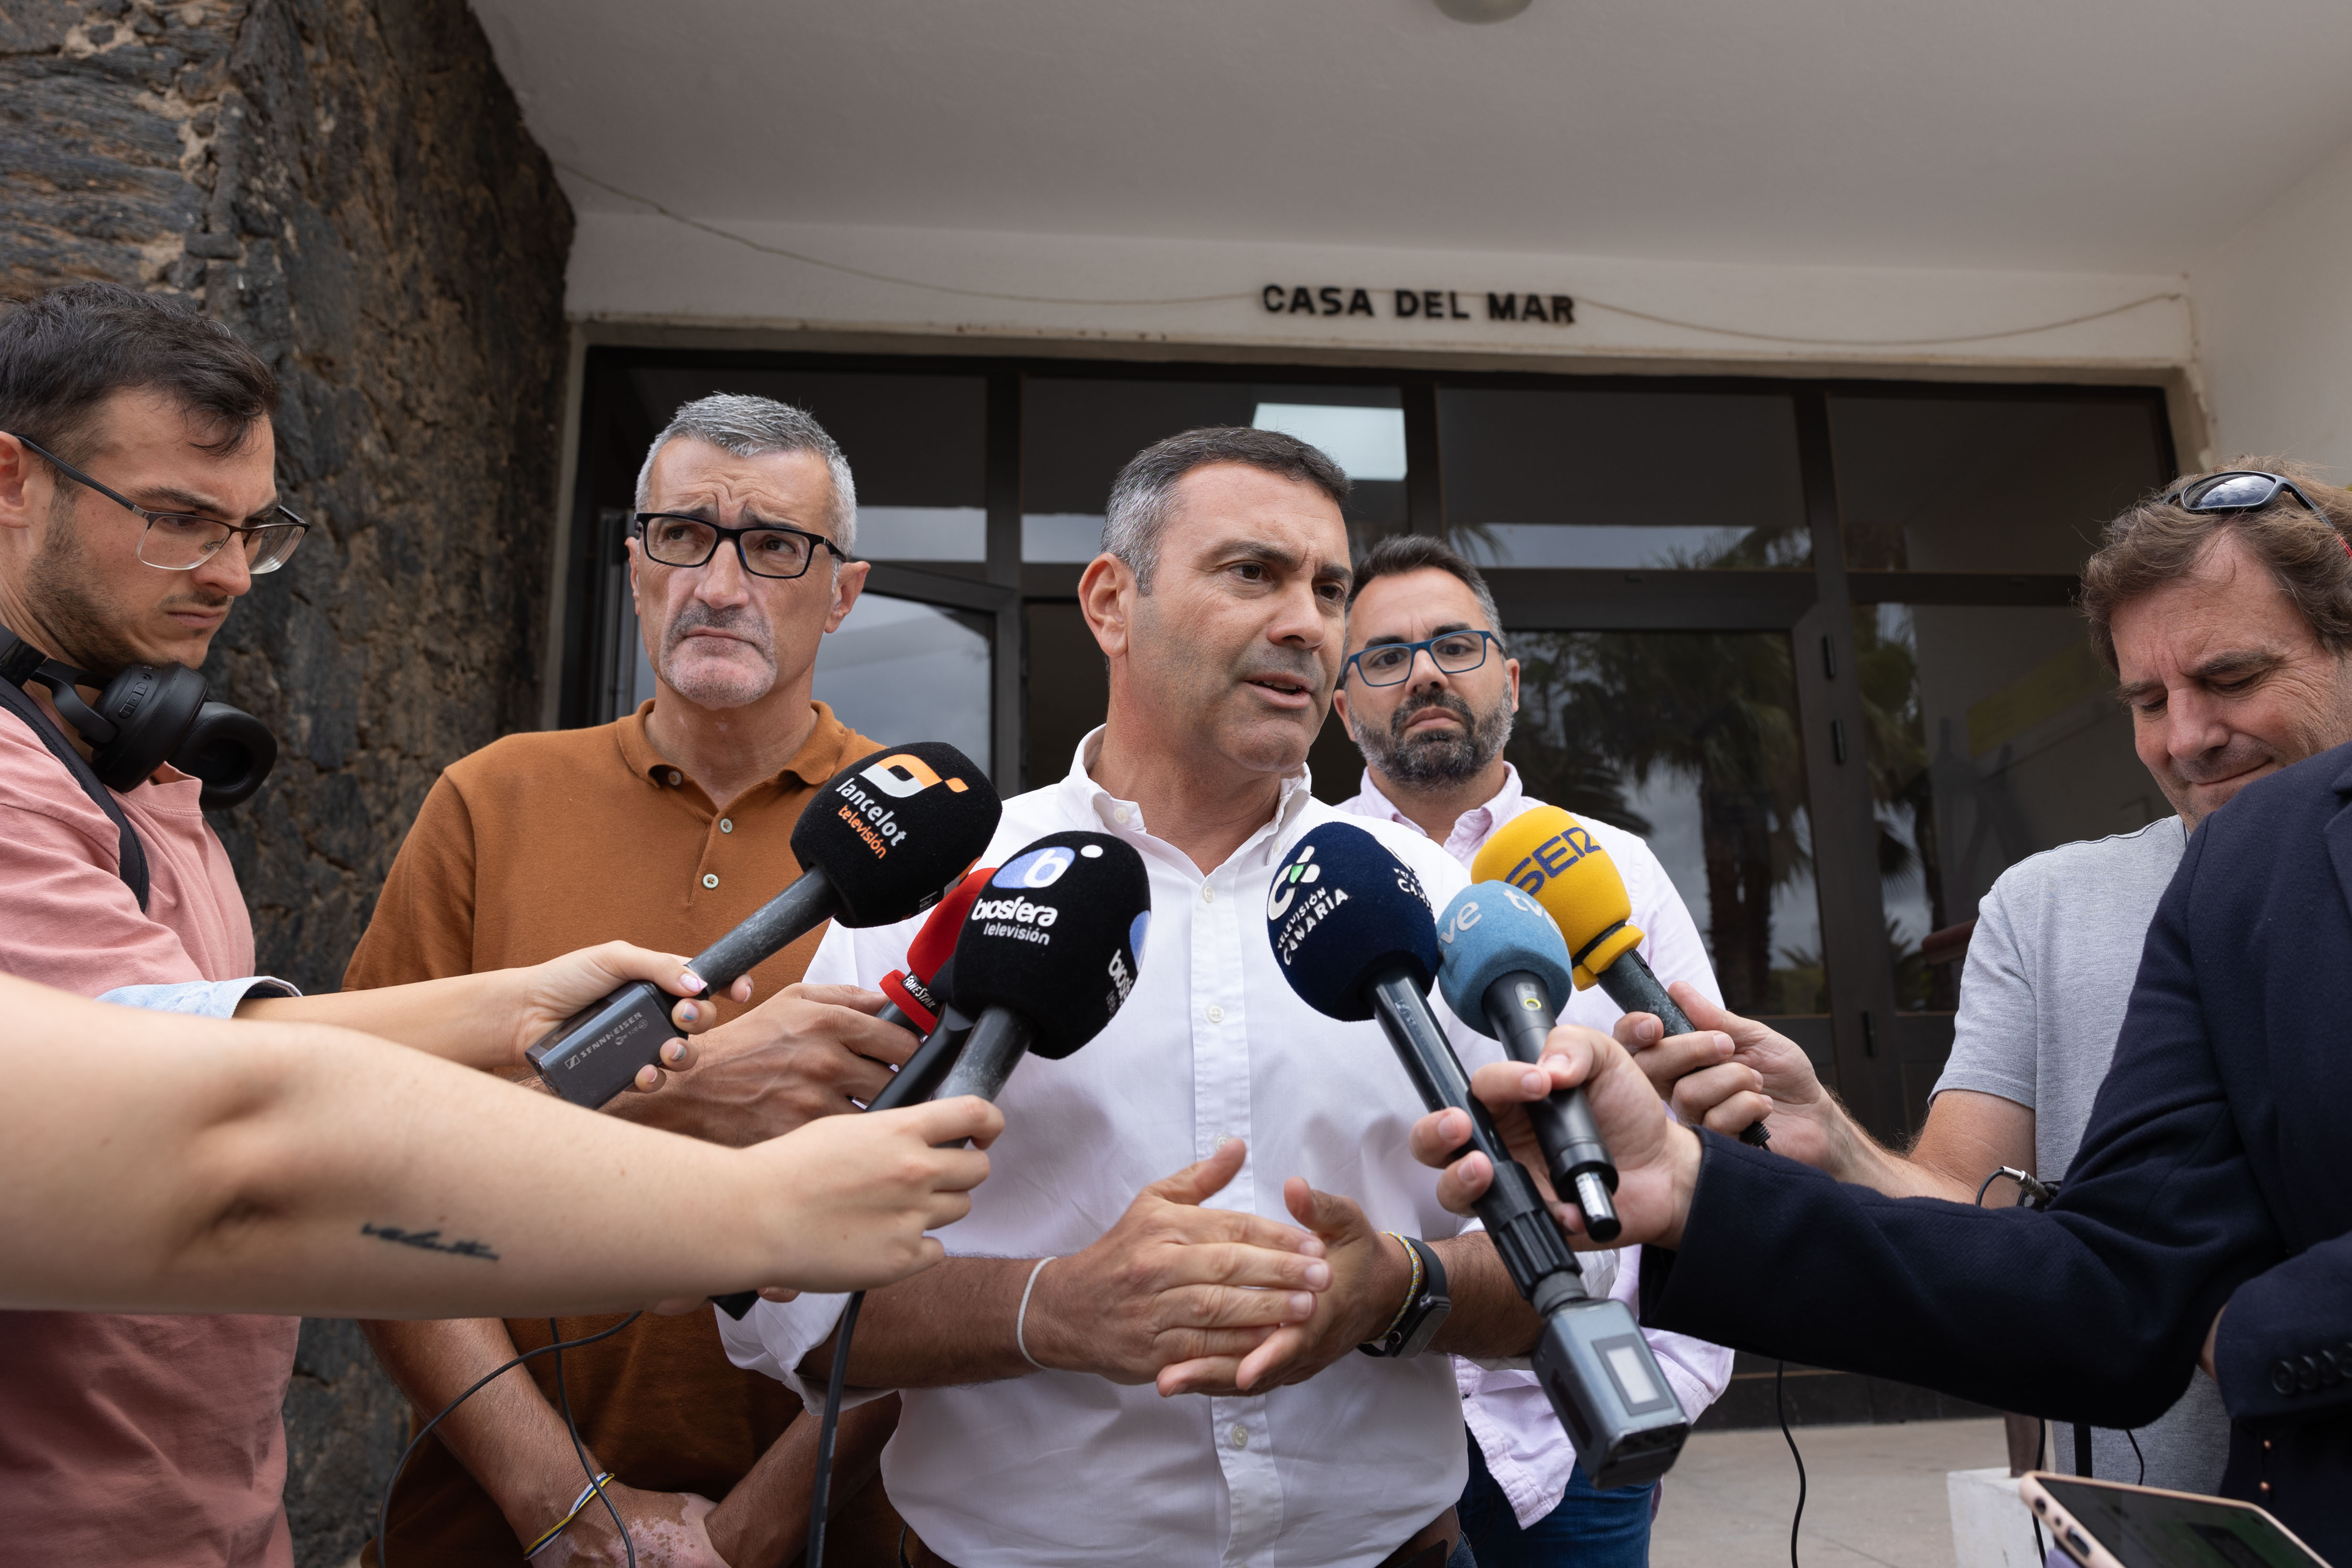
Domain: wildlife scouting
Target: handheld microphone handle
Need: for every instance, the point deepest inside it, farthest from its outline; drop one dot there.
(910, 1085)
(1518, 1008)
(913, 1083)
(894, 1015)
(1631, 984)
(994, 1047)
(1589, 1359)
(1525, 1235)
(792, 914)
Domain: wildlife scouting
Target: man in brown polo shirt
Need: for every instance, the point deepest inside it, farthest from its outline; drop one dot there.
(668, 828)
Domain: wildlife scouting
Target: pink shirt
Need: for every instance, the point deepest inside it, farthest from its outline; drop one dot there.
(131, 1441)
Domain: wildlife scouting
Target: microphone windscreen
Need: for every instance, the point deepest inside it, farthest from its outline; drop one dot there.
(893, 830)
(937, 940)
(1342, 912)
(1552, 857)
(1057, 937)
(1491, 929)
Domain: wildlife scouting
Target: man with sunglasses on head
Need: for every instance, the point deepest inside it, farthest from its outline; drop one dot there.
(2222, 604)
(667, 829)
(1427, 693)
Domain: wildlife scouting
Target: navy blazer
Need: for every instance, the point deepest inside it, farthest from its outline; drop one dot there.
(2216, 1169)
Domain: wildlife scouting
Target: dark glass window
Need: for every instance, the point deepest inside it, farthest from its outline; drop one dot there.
(1076, 436)
(1994, 734)
(899, 670)
(1621, 478)
(916, 446)
(1689, 738)
(1976, 484)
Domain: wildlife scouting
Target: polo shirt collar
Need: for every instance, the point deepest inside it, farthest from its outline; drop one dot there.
(821, 756)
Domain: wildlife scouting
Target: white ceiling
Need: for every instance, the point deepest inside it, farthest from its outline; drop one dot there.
(2100, 135)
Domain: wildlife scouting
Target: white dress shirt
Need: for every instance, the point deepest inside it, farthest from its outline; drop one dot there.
(1527, 1453)
(1069, 1469)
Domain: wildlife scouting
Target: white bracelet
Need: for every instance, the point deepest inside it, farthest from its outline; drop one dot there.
(1020, 1318)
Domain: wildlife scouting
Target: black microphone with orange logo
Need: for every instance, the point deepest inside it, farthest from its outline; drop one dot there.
(882, 841)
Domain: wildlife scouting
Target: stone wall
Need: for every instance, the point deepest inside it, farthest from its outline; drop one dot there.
(349, 184)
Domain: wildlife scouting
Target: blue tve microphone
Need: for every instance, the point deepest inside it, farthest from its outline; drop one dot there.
(1352, 932)
(1504, 962)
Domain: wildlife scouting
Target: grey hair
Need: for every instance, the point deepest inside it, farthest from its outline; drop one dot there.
(1142, 498)
(1402, 552)
(752, 426)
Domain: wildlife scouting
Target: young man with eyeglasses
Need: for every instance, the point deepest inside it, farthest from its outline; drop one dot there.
(2221, 602)
(137, 501)
(666, 828)
(1428, 693)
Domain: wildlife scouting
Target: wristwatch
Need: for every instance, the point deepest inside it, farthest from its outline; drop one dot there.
(1419, 1322)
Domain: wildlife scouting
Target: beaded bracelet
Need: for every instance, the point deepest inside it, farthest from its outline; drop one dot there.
(594, 1489)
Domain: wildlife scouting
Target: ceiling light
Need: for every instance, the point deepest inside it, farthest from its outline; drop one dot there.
(1482, 10)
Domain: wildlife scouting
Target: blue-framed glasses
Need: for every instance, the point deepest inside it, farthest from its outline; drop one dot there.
(1390, 663)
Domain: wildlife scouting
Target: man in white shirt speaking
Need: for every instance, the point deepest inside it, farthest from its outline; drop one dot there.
(1143, 1345)
(1428, 692)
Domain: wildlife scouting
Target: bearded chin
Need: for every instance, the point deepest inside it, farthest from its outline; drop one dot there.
(1445, 759)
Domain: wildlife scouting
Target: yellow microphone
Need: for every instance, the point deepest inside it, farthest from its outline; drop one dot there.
(1554, 859)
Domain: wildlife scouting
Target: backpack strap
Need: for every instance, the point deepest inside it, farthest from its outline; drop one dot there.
(132, 860)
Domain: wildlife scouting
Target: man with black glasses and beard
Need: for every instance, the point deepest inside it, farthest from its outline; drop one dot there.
(1427, 694)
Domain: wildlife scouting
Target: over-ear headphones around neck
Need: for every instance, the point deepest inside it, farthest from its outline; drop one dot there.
(147, 716)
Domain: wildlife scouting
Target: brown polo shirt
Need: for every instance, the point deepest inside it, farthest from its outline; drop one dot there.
(531, 847)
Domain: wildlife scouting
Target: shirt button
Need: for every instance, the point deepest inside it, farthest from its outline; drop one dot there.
(1208, 894)
(711, 878)
(1217, 1016)
(1122, 816)
(1240, 1437)
(726, 825)
(675, 777)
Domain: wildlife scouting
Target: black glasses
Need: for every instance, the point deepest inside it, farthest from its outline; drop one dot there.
(2242, 490)
(771, 549)
(174, 542)
(1389, 663)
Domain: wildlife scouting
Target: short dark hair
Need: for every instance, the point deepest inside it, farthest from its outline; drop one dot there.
(1401, 552)
(2157, 541)
(64, 353)
(1137, 513)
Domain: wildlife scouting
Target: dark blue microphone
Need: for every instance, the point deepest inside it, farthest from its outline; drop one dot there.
(1504, 962)
(1353, 934)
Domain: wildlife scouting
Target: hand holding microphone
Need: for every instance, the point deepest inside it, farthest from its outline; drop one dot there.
(881, 841)
(1506, 970)
(1354, 935)
(1551, 856)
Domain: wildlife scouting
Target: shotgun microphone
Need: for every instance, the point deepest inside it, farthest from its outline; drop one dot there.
(1551, 856)
(1505, 962)
(1352, 932)
(882, 841)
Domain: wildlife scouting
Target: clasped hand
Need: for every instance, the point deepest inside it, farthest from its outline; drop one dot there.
(1210, 1301)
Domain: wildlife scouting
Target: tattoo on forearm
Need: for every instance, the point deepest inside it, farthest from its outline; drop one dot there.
(430, 1241)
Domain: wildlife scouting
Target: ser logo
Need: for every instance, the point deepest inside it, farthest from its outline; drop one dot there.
(1551, 857)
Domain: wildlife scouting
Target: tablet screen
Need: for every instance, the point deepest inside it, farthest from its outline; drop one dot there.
(2156, 1530)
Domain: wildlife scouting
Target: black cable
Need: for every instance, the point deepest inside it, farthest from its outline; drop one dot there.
(384, 1508)
(564, 1403)
(1780, 1408)
(2041, 1447)
(821, 1488)
(2133, 1439)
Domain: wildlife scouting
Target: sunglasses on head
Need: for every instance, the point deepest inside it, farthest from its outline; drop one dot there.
(2242, 489)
